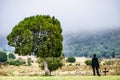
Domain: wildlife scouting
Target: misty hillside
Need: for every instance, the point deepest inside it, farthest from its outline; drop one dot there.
(3, 44)
(102, 43)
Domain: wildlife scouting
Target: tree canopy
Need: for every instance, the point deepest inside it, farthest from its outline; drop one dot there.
(39, 35)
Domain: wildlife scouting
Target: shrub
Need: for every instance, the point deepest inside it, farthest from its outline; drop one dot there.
(70, 64)
(53, 63)
(11, 56)
(71, 59)
(29, 61)
(77, 64)
(17, 62)
(88, 62)
(13, 62)
(108, 62)
(3, 56)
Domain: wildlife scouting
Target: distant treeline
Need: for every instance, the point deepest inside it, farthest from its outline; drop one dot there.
(103, 43)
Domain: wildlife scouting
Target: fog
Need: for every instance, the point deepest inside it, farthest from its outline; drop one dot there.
(74, 15)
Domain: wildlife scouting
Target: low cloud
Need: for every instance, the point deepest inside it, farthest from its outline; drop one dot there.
(74, 15)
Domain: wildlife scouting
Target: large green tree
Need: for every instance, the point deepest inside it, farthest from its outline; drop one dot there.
(39, 35)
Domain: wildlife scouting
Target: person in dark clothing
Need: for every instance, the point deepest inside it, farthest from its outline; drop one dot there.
(95, 65)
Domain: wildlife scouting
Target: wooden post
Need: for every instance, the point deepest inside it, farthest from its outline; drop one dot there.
(105, 71)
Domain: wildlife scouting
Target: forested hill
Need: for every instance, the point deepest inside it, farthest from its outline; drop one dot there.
(102, 43)
(3, 44)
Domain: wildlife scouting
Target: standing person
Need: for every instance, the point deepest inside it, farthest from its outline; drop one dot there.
(95, 65)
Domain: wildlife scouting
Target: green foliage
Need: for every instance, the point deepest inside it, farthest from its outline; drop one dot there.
(29, 61)
(3, 56)
(53, 63)
(71, 59)
(39, 34)
(17, 62)
(108, 62)
(88, 62)
(11, 56)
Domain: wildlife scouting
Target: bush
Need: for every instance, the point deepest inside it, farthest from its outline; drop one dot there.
(108, 62)
(71, 59)
(53, 63)
(11, 56)
(77, 64)
(29, 61)
(70, 64)
(14, 62)
(88, 62)
(17, 62)
(3, 56)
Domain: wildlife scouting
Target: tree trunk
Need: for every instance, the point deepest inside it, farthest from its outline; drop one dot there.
(47, 71)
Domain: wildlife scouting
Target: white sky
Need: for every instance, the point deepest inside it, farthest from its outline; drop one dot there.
(74, 15)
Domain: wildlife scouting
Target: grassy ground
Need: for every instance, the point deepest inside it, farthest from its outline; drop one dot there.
(60, 78)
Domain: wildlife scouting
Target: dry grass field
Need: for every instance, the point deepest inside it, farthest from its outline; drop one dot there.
(69, 69)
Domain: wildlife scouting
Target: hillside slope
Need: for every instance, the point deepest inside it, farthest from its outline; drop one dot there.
(102, 43)
(3, 44)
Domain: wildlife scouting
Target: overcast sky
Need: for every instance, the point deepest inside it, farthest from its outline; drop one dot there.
(74, 15)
